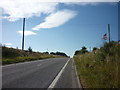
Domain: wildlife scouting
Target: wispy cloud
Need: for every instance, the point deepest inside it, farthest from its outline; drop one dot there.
(56, 19)
(15, 9)
(112, 2)
(27, 33)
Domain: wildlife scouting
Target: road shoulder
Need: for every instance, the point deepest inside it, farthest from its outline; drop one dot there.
(69, 78)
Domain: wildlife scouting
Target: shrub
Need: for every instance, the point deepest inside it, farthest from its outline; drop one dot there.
(82, 51)
(30, 49)
(95, 48)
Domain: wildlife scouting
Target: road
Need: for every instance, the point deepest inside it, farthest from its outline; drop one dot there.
(40, 74)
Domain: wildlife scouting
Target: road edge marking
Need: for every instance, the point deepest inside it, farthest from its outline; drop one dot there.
(78, 80)
(52, 85)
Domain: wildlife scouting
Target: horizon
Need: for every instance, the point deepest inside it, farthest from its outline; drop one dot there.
(62, 27)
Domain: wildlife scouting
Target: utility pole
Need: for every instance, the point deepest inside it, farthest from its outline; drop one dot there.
(23, 33)
(109, 32)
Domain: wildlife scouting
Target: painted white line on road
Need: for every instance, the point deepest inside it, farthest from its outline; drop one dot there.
(52, 85)
(39, 64)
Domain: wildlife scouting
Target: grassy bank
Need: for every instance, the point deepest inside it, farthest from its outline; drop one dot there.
(100, 68)
(11, 55)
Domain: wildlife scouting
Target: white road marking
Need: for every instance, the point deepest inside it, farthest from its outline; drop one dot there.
(52, 85)
(39, 64)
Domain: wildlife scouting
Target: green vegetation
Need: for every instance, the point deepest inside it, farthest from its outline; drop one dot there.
(30, 49)
(100, 68)
(11, 55)
(59, 53)
(82, 51)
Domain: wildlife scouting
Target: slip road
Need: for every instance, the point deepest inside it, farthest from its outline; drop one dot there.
(40, 74)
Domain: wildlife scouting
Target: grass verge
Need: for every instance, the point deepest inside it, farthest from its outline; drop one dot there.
(99, 69)
(11, 55)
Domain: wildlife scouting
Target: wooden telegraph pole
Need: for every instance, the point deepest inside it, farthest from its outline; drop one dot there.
(23, 33)
(109, 32)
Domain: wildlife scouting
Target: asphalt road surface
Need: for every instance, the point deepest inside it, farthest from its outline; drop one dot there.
(40, 74)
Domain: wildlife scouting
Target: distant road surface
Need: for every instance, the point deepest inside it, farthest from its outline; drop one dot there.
(41, 74)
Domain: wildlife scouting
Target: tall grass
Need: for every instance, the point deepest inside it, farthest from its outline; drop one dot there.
(11, 55)
(100, 69)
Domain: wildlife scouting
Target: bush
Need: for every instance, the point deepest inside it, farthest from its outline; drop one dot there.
(95, 48)
(9, 53)
(59, 53)
(30, 49)
(82, 51)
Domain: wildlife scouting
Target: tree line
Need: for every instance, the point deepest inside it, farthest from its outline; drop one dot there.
(84, 50)
(52, 53)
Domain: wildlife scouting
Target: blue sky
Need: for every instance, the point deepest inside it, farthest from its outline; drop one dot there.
(73, 26)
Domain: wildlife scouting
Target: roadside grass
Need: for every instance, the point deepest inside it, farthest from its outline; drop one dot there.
(23, 59)
(99, 69)
(11, 55)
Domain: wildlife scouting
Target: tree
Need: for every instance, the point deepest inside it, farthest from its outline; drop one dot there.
(59, 53)
(30, 49)
(84, 48)
(52, 53)
(95, 48)
(46, 52)
(82, 51)
(77, 52)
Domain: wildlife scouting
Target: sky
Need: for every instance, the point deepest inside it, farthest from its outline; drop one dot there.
(58, 26)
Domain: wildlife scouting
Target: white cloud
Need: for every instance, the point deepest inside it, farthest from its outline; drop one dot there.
(81, 3)
(26, 33)
(7, 44)
(88, 0)
(56, 19)
(15, 9)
